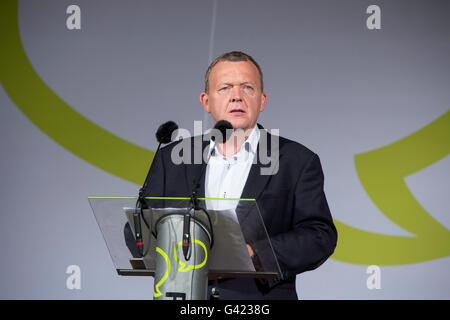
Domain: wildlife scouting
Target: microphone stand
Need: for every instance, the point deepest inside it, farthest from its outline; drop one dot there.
(195, 207)
(138, 215)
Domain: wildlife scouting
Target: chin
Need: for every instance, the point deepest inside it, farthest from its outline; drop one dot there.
(239, 124)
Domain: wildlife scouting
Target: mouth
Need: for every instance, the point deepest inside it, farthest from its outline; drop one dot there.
(237, 111)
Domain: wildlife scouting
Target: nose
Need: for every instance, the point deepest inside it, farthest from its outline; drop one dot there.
(236, 94)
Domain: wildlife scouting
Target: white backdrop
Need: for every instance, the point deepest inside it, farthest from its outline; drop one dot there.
(333, 84)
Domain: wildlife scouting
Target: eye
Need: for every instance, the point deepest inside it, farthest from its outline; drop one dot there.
(248, 88)
(224, 89)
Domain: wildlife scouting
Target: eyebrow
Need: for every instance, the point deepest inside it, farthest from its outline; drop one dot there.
(230, 84)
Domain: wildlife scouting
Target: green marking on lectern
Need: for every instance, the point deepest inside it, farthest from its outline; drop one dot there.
(156, 292)
(185, 268)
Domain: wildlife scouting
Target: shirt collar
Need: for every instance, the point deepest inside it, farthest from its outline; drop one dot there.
(253, 139)
(250, 145)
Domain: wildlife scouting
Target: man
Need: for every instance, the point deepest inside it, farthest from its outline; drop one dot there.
(291, 199)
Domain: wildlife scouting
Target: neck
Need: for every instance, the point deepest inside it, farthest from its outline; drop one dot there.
(234, 143)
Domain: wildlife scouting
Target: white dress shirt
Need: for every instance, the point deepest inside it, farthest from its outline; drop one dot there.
(226, 176)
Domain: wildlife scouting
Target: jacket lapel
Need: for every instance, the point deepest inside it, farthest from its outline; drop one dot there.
(256, 181)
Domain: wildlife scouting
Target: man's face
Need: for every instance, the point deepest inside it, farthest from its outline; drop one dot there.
(234, 94)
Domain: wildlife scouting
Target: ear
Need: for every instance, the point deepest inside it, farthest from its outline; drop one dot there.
(204, 100)
(263, 102)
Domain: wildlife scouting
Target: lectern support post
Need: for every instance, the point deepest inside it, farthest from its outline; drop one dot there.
(175, 276)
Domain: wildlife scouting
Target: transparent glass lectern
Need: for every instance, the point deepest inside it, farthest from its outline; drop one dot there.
(220, 237)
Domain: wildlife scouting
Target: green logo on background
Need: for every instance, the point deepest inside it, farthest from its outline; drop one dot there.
(381, 171)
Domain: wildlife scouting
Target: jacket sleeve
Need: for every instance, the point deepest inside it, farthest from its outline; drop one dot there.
(313, 236)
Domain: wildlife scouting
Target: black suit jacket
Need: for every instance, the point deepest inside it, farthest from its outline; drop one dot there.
(292, 204)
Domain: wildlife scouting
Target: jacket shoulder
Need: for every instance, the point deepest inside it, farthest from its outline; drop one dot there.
(296, 148)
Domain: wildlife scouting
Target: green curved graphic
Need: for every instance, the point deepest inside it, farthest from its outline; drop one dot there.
(381, 171)
(55, 117)
(185, 268)
(157, 292)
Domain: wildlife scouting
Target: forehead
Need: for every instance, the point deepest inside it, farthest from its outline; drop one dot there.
(229, 71)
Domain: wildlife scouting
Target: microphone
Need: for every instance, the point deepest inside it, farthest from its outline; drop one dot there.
(163, 136)
(164, 132)
(225, 129)
(220, 134)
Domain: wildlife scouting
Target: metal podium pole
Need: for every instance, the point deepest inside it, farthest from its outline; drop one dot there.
(175, 276)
